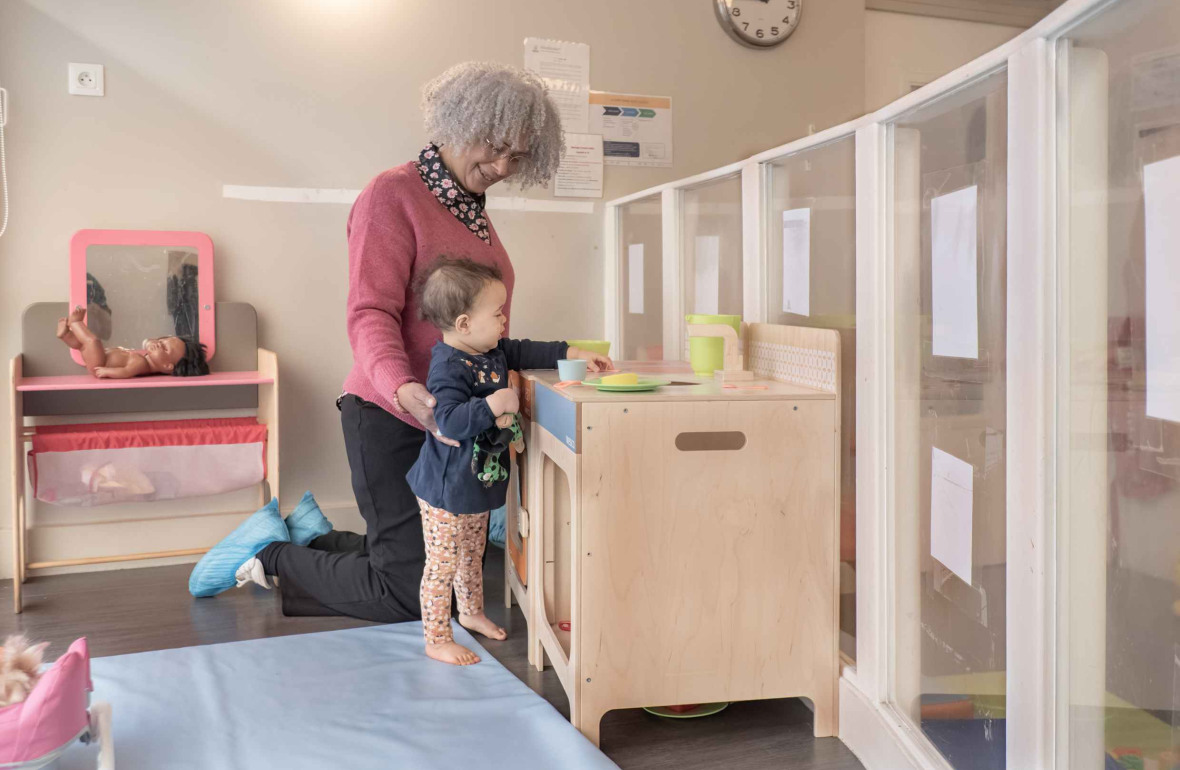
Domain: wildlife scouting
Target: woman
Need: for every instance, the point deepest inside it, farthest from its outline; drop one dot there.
(487, 123)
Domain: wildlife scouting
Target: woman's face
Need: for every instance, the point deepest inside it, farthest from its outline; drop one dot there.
(482, 165)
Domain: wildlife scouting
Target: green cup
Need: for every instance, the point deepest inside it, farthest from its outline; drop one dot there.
(707, 354)
(601, 347)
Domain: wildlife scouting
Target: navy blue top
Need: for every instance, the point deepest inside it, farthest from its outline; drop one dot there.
(460, 383)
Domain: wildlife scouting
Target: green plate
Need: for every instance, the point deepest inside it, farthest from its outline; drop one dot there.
(645, 383)
(703, 710)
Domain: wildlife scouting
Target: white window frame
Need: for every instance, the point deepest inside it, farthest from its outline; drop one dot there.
(868, 723)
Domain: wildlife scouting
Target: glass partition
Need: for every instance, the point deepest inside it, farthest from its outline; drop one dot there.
(1118, 525)
(711, 248)
(641, 279)
(810, 227)
(948, 410)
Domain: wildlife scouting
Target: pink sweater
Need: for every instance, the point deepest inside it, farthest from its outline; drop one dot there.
(397, 228)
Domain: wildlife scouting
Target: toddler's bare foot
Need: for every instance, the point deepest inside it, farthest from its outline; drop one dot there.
(453, 653)
(481, 624)
(77, 314)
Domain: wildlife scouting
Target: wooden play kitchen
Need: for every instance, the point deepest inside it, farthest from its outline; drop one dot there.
(681, 544)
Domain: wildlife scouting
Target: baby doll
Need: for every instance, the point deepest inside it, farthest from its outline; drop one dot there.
(162, 355)
(20, 668)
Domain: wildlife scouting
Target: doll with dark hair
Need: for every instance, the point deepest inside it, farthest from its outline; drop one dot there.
(178, 356)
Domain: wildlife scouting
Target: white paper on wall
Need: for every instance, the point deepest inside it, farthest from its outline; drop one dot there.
(953, 272)
(635, 278)
(558, 60)
(572, 102)
(1161, 198)
(636, 129)
(797, 261)
(565, 69)
(951, 498)
(580, 172)
(707, 261)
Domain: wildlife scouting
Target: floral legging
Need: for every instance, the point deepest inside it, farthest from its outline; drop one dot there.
(454, 558)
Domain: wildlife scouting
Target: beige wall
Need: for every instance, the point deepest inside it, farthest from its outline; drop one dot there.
(323, 93)
(903, 49)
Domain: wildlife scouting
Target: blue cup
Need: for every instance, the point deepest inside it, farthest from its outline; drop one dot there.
(571, 369)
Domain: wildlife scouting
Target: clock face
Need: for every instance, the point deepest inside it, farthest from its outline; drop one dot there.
(761, 23)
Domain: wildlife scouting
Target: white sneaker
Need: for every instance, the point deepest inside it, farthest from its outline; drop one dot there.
(252, 572)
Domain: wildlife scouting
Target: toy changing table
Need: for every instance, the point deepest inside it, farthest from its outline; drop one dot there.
(43, 382)
(683, 543)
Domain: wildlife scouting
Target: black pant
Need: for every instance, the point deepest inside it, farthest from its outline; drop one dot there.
(375, 576)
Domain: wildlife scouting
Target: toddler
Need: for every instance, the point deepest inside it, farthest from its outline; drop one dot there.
(474, 406)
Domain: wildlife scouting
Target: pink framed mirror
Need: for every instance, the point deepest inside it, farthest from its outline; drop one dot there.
(141, 284)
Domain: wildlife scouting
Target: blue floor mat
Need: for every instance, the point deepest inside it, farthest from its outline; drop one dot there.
(360, 698)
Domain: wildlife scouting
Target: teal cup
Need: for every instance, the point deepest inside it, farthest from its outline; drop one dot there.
(571, 369)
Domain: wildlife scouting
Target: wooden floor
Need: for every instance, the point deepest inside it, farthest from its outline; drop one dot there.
(136, 610)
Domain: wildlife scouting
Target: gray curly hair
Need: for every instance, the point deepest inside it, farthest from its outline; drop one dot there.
(476, 101)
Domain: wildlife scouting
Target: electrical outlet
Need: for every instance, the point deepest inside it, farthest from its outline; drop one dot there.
(87, 80)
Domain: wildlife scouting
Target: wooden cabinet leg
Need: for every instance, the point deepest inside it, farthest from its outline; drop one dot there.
(23, 567)
(507, 585)
(534, 547)
(533, 648)
(19, 551)
(827, 716)
(536, 650)
(587, 717)
(268, 413)
(16, 447)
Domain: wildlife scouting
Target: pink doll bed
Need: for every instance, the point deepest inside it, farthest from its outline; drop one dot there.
(57, 712)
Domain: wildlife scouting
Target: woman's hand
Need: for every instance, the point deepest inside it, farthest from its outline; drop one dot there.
(416, 400)
(594, 361)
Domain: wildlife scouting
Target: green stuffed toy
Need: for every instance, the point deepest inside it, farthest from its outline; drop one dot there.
(489, 446)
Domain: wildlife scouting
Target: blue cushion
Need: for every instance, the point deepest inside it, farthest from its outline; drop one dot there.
(496, 525)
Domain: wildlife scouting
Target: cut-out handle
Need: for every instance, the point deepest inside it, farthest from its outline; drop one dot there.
(711, 441)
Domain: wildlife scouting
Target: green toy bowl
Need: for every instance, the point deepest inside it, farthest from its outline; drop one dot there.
(601, 347)
(707, 354)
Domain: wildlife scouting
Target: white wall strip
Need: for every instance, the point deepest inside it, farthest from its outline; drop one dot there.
(330, 195)
(288, 194)
(507, 203)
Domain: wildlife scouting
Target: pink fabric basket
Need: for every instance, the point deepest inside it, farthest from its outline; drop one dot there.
(53, 716)
(103, 463)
